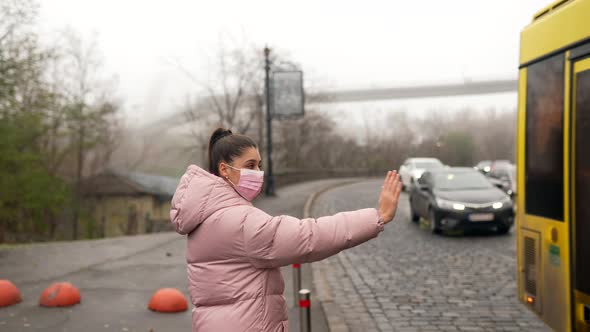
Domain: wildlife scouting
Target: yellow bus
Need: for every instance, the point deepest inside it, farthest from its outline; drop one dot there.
(553, 157)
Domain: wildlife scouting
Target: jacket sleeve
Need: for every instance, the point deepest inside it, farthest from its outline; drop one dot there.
(278, 241)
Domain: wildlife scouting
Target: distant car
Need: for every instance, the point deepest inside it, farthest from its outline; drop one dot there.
(484, 166)
(503, 176)
(412, 169)
(460, 198)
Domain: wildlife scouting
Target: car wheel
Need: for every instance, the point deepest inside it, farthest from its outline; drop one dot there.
(433, 223)
(503, 229)
(413, 214)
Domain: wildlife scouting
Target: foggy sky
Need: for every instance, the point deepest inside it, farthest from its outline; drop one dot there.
(351, 44)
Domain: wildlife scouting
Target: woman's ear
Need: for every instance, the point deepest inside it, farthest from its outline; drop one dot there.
(222, 168)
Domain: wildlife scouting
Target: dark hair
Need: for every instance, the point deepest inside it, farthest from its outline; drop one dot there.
(224, 146)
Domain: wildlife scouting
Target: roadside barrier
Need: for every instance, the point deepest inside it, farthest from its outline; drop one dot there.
(9, 294)
(305, 310)
(296, 282)
(60, 294)
(64, 294)
(168, 300)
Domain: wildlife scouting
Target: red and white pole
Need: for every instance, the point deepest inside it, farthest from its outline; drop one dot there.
(296, 282)
(305, 310)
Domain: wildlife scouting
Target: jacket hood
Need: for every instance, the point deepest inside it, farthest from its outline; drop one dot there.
(199, 195)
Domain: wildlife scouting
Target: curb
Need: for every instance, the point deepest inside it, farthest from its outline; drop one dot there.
(311, 198)
(334, 316)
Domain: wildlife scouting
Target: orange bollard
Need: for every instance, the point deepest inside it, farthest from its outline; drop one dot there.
(60, 294)
(9, 294)
(168, 300)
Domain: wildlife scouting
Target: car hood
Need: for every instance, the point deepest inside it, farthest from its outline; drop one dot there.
(478, 196)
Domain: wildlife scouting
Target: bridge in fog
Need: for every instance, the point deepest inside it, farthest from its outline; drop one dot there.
(373, 94)
(411, 92)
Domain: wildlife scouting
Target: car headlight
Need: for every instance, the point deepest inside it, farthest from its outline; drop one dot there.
(449, 205)
(502, 203)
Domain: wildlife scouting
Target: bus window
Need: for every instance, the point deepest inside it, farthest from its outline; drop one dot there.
(544, 138)
(582, 182)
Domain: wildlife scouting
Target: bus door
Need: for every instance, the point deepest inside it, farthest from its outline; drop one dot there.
(580, 187)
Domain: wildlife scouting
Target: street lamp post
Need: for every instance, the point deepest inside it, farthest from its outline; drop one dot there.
(270, 183)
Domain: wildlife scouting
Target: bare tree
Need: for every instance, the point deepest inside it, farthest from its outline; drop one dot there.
(22, 90)
(25, 103)
(228, 94)
(232, 96)
(90, 112)
(497, 135)
(305, 143)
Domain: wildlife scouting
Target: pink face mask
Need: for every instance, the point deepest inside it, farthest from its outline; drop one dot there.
(250, 183)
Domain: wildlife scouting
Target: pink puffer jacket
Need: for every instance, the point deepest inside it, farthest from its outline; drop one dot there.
(234, 252)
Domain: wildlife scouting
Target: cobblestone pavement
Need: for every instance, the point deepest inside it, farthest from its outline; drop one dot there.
(410, 280)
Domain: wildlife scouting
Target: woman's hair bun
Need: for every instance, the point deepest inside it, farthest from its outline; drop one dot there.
(218, 134)
(225, 150)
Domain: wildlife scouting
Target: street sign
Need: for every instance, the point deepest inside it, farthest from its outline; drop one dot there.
(287, 94)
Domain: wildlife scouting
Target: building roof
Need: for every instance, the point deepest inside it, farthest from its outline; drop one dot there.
(130, 183)
(156, 184)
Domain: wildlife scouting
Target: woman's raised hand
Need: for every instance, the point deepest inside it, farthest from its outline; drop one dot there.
(392, 188)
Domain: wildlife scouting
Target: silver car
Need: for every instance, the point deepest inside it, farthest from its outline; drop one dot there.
(412, 169)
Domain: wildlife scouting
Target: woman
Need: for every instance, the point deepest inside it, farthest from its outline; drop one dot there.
(234, 250)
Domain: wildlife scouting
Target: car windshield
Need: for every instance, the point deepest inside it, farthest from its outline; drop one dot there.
(461, 181)
(428, 164)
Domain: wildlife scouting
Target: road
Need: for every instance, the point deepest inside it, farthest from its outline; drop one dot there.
(411, 280)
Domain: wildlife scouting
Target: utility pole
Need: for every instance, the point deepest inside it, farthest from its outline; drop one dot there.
(270, 182)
